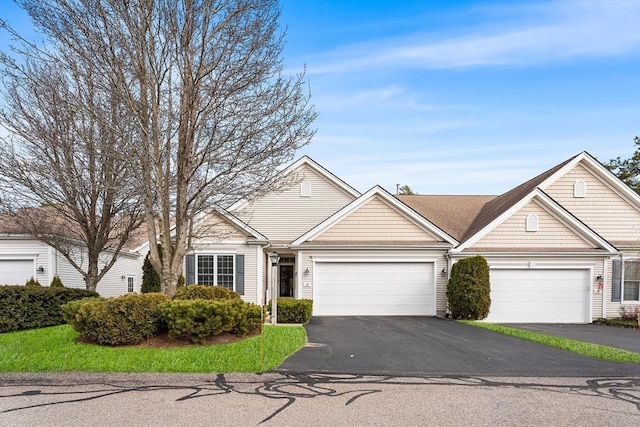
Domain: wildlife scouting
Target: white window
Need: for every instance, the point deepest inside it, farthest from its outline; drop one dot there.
(579, 189)
(631, 284)
(305, 189)
(532, 222)
(131, 284)
(215, 270)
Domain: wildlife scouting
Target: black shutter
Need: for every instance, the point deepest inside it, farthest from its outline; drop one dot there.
(240, 274)
(616, 293)
(191, 268)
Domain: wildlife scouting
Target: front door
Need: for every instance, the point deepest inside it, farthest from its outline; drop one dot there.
(286, 280)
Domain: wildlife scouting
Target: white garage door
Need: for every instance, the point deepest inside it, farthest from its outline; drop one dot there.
(539, 296)
(15, 272)
(373, 289)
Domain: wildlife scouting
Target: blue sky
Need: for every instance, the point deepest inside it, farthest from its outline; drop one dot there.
(462, 97)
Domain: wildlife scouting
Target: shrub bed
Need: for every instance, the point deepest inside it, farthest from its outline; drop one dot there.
(35, 306)
(198, 319)
(205, 292)
(291, 310)
(128, 319)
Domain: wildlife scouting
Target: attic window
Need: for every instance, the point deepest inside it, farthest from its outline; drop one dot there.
(305, 189)
(532, 222)
(579, 189)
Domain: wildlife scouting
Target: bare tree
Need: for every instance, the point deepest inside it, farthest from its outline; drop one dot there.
(65, 170)
(405, 190)
(203, 82)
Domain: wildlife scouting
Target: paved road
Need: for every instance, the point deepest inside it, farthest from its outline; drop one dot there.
(74, 399)
(431, 346)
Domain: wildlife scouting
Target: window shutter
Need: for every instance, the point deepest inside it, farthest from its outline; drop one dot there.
(617, 281)
(240, 274)
(191, 268)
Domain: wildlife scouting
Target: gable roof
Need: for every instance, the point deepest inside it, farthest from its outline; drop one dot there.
(315, 166)
(387, 197)
(496, 207)
(552, 207)
(454, 214)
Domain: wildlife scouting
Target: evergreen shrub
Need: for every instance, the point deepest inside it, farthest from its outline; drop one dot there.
(468, 291)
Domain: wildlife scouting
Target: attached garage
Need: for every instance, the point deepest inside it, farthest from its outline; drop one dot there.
(373, 289)
(540, 296)
(16, 272)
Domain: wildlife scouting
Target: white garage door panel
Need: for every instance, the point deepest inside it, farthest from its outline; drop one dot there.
(373, 289)
(15, 272)
(539, 296)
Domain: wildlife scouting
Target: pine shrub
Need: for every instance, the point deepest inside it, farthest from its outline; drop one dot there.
(150, 277)
(468, 291)
(56, 282)
(32, 282)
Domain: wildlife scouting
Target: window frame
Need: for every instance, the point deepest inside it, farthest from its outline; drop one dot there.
(580, 189)
(532, 223)
(132, 278)
(635, 280)
(215, 270)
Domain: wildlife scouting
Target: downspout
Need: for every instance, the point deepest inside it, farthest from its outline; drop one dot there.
(604, 288)
(447, 255)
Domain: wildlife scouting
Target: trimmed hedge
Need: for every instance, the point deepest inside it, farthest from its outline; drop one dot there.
(291, 310)
(23, 307)
(198, 319)
(192, 292)
(468, 291)
(127, 319)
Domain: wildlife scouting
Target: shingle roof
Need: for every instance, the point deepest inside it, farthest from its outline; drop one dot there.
(502, 203)
(454, 214)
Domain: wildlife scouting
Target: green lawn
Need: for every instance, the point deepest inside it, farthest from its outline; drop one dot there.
(580, 347)
(54, 349)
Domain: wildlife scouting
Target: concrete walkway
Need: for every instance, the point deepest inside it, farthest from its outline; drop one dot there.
(624, 338)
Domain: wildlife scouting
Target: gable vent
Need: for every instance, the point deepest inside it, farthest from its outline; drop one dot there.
(532, 222)
(579, 189)
(305, 189)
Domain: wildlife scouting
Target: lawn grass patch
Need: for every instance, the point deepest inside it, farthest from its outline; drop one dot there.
(588, 349)
(55, 349)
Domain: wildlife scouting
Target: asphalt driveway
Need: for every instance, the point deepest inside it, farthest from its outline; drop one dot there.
(433, 346)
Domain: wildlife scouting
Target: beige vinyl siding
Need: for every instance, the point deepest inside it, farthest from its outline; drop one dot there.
(375, 221)
(113, 284)
(551, 234)
(441, 263)
(217, 229)
(602, 209)
(286, 215)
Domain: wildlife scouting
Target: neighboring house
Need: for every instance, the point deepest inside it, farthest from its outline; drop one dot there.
(22, 257)
(562, 247)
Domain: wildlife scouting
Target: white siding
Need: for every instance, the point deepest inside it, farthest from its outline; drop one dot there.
(286, 215)
(26, 248)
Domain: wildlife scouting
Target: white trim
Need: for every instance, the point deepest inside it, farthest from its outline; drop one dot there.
(299, 273)
(391, 201)
(592, 165)
(553, 208)
(376, 259)
(604, 288)
(305, 188)
(259, 276)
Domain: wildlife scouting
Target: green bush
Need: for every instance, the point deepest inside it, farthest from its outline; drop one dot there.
(199, 319)
(291, 310)
(468, 291)
(32, 282)
(128, 319)
(56, 283)
(27, 307)
(150, 277)
(70, 311)
(205, 292)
